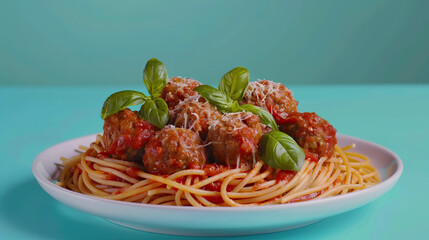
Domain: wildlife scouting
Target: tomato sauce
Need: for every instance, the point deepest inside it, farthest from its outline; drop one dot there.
(180, 180)
(214, 169)
(285, 175)
(311, 156)
(216, 187)
(120, 145)
(194, 165)
(279, 117)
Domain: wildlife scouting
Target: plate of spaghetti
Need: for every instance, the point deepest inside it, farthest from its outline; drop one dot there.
(197, 160)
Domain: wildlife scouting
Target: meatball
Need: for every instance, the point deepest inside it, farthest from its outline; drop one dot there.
(179, 89)
(173, 149)
(273, 97)
(126, 134)
(197, 115)
(234, 139)
(312, 133)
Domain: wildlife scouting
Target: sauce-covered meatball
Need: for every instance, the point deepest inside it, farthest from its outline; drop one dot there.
(273, 97)
(179, 89)
(197, 115)
(312, 133)
(174, 149)
(234, 139)
(126, 134)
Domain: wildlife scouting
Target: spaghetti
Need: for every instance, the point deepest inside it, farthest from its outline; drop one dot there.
(115, 179)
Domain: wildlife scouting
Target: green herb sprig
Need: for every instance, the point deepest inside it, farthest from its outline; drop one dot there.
(277, 149)
(231, 90)
(154, 109)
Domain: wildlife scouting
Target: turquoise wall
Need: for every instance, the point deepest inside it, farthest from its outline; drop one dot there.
(297, 42)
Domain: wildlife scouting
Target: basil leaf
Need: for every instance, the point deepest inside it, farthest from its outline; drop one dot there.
(155, 77)
(280, 151)
(155, 111)
(215, 97)
(121, 100)
(265, 117)
(235, 107)
(234, 83)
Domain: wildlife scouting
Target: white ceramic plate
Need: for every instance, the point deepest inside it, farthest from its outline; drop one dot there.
(222, 221)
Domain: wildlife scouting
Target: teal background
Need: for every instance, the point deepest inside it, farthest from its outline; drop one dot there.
(394, 116)
(294, 42)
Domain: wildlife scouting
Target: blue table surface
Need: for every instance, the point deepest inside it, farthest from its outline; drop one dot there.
(35, 118)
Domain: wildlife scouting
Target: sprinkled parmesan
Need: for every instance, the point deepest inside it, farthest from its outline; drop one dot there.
(196, 114)
(179, 89)
(273, 97)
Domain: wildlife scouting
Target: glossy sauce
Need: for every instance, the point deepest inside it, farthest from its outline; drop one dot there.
(285, 175)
